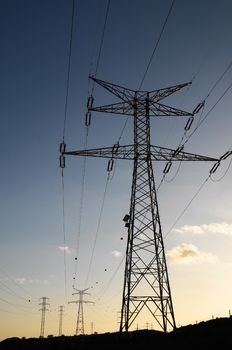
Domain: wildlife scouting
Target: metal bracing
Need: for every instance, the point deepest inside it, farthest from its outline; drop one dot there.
(44, 304)
(146, 283)
(61, 311)
(80, 326)
(127, 152)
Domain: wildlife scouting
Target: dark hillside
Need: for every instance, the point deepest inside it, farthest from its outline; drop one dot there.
(216, 332)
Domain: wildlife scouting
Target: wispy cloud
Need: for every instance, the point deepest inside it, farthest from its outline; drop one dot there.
(65, 249)
(20, 280)
(116, 253)
(214, 227)
(24, 281)
(194, 229)
(33, 281)
(187, 253)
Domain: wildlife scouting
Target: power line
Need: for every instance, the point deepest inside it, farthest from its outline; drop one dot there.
(102, 37)
(69, 68)
(62, 145)
(212, 171)
(187, 206)
(219, 79)
(17, 306)
(112, 278)
(11, 291)
(207, 114)
(201, 120)
(156, 44)
(98, 227)
(87, 123)
(64, 235)
(101, 42)
(150, 61)
(18, 285)
(80, 209)
(175, 175)
(222, 177)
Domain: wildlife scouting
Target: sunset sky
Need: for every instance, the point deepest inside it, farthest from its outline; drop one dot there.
(195, 213)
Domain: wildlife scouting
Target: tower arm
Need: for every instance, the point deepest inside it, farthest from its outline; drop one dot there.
(126, 94)
(167, 154)
(82, 301)
(87, 302)
(121, 92)
(125, 108)
(160, 94)
(127, 152)
(123, 152)
(161, 110)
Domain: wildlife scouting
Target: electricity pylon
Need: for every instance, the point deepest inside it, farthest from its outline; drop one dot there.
(80, 314)
(43, 309)
(146, 281)
(61, 311)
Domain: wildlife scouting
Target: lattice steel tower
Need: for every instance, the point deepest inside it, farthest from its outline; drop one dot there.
(61, 311)
(44, 304)
(80, 329)
(146, 282)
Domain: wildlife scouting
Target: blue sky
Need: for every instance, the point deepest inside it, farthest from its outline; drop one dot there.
(34, 61)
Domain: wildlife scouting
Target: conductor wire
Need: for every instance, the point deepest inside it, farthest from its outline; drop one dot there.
(98, 227)
(69, 68)
(101, 43)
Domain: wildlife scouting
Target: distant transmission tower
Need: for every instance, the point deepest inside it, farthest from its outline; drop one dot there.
(43, 309)
(61, 311)
(146, 283)
(80, 313)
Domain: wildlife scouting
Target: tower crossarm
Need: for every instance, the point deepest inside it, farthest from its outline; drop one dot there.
(126, 94)
(121, 92)
(127, 152)
(158, 95)
(142, 100)
(123, 152)
(161, 110)
(167, 154)
(127, 108)
(82, 301)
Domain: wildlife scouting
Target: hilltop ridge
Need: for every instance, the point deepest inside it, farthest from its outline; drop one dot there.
(216, 332)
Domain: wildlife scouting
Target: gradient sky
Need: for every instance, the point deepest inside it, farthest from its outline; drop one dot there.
(196, 45)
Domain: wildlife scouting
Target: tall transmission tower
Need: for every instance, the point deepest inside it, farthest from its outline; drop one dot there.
(61, 311)
(80, 313)
(44, 304)
(146, 282)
